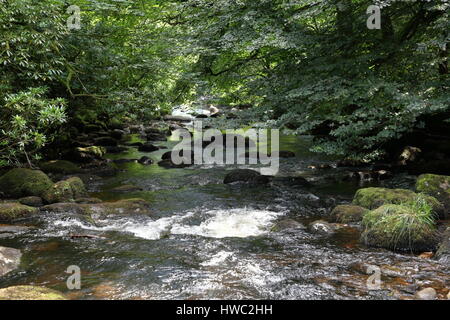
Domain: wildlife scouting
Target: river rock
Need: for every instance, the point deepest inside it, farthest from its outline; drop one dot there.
(287, 224)
(437, 186)
(372, 198)
(60, 166)
(127, 206)
(178, 118)
(145, 161)
(65, 191)
(19, 182)
(9, 260)
(426, 294)
(348, 213)
(322, 227)
(168, 164)
(32, 201)
(292, 181)
(117, 134)
(247, 176)
(115, 149)
(30, 293)
(398, 227)
(8, 231)
(13, 210)
(126, 188)
(443, 252)
(123, 161)
(148, 147)
(105, 142)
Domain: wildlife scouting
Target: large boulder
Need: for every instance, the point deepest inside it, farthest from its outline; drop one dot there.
(30, 293)
(60, 166)
(18, 183)
(348, 213)
(13, 210)
(247, 176)
(9, 260)
(65, 191)
(399, 227)
(437, 186)
(372, 198)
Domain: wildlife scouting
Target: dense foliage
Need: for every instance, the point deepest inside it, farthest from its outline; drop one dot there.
(308, 65)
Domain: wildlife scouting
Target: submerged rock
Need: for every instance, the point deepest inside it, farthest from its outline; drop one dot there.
(60, 166)
(145, 161)
(32, 201)
(13, 210)
(9, 260)
(322, 227)
(18, 183)
(247, 176)
(287, 224)
(372, 198)
(399, 227)
(128, 206)
(30, 293)
(148, 147)
(348, 213)
(65, 191)
(126, 188)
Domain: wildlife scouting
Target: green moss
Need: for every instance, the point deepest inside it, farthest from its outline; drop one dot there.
(18, 183)
(400, 227)
(435, 185)
(348, 213)
(95, 151)
(65, 191)
(60, 166)
(13, 210)
(372, 198)
(30, 293)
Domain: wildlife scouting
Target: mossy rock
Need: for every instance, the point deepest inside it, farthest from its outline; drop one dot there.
(32, 201)
(372, 198)
(30, 293)
(94, 151)
(348, 213)
(245, 175)
(60, 166)
(13, 210)
(19, 182)
(398, 227)
(65, 191)
(437, 186)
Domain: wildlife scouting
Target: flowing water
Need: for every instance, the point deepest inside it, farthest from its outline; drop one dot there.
(203, 239)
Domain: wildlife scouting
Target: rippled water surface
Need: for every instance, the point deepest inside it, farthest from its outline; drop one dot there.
(206, 240)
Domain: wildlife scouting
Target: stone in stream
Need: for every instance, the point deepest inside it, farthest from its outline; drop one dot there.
(247, 176)
(398, 227)
(322, 227)
(30, 293)
(348, 213)
(292, 181)
(19, 182)
(8, 231)
(32, 201)
(134, 144)
(123, 161)
(145, 161)
(115, 149)
(126, 188)
(177, 118)
(287, 224)
(9, 260)
(126, 207)
(60, 166)
(66, 190)
(443, 252)
(437, 186)
(168, 164)
(426, 294)
(13, 210)
(105, 142)
(372, 198)
(148, 147)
